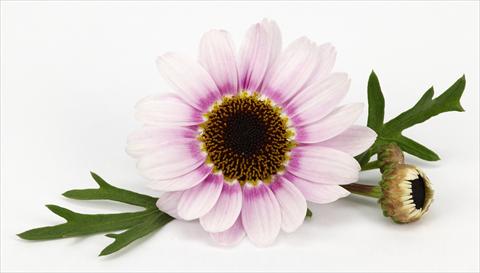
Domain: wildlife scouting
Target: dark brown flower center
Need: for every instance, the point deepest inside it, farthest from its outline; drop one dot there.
(246, 138)
(418, 192)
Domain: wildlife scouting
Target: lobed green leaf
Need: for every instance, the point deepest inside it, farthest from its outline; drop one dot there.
(109, 192)
(136, 224)
(426, 108)
(414, 148)
(376, 103)
(85, 224)
(152, 223)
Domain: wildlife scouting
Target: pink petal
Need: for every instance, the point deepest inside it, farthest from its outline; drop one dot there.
(294, 70)
(353, 141)
(151, 139)
(292, 204)
(327, 56)
(317, 193)
(323, 165)
(199, 200)
(319, 99)
(261, 215)
(231, 236)
(331, 125)
(166, 110)
(227, 209)
(189, 79)
(183, 182)
(259, 50)
(173, 160)
(168, 202)
(217, 55)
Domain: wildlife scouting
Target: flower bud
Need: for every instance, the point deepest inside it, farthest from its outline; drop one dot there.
(389, 156)
(406, 193)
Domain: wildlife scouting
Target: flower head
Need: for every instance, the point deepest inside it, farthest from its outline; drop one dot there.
(244, 140)
(406, 193)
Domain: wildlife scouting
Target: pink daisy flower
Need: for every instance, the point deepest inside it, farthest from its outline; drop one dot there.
(245, 140)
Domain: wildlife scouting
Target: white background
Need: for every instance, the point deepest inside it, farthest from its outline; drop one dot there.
(72, 72)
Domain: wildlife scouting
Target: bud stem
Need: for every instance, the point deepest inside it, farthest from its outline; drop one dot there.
(371, 165)
(365, 190)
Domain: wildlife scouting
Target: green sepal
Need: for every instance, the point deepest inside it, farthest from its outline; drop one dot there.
(136, 224)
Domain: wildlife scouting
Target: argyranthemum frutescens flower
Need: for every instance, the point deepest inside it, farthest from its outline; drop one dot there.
(244, 140)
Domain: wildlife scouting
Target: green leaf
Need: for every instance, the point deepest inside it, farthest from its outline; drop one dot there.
(85, 224)
(376, 103)
(426, 108)
(152, 223)
(309, 213)
(109, 192)
(136, 224)
(414, 148)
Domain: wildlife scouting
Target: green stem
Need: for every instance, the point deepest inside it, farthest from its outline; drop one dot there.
(371, 165)
(365, 190)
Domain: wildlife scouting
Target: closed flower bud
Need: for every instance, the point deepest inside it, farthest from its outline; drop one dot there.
(389, 156)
